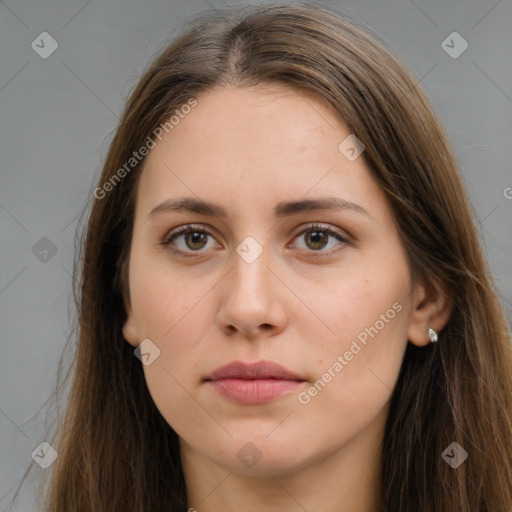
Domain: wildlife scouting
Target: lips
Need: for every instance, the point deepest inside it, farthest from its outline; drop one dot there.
(254, 383)
(251, 371)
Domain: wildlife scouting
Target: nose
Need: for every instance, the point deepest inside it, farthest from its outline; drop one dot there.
(252, 300)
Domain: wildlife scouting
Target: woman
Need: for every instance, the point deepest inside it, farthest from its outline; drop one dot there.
(283, 299)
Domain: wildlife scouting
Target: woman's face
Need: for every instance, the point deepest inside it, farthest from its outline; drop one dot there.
(281, 273)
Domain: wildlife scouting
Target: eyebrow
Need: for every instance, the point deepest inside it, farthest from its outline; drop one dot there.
(282, 209)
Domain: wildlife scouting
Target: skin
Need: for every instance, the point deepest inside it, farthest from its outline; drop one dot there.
(247, 149)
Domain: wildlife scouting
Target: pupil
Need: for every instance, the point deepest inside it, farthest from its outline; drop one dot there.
(197, 238)
(318, 238)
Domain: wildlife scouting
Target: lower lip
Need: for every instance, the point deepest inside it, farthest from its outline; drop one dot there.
(257, 391)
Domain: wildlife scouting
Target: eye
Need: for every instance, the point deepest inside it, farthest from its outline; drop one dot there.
(187, 239)
(316, 238)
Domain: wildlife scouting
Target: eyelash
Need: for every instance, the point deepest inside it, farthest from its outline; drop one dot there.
(192, 228)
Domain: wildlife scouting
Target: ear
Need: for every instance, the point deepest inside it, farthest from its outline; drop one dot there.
(432, 307)
(130, 331)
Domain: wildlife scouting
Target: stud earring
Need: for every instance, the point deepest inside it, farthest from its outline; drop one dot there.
(432, 335)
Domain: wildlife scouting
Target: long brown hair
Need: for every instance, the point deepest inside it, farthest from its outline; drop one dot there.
(117, 453)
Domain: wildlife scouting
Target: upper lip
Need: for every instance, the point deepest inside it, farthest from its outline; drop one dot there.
(253, 371)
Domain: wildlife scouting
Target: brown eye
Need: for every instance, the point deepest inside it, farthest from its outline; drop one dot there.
(316, 238)
(188, 239)
(195, 240)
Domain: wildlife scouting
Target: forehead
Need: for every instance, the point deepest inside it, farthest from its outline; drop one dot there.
(245, 125)
(264, 142)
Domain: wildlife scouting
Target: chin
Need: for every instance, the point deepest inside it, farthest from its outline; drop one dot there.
(262, 455)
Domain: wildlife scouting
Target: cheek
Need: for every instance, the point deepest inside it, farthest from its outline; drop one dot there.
(354, 379)
(172, 311)
(174, 377)
(163, 296)
(174, 398)
(357, 361)
(367, 305)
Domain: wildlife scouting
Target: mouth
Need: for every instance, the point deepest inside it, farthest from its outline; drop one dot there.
(253, 383)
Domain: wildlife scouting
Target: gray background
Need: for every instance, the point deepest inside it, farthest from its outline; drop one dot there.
(58, 116)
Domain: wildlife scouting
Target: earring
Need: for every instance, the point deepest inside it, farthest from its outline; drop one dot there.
(432, 335)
